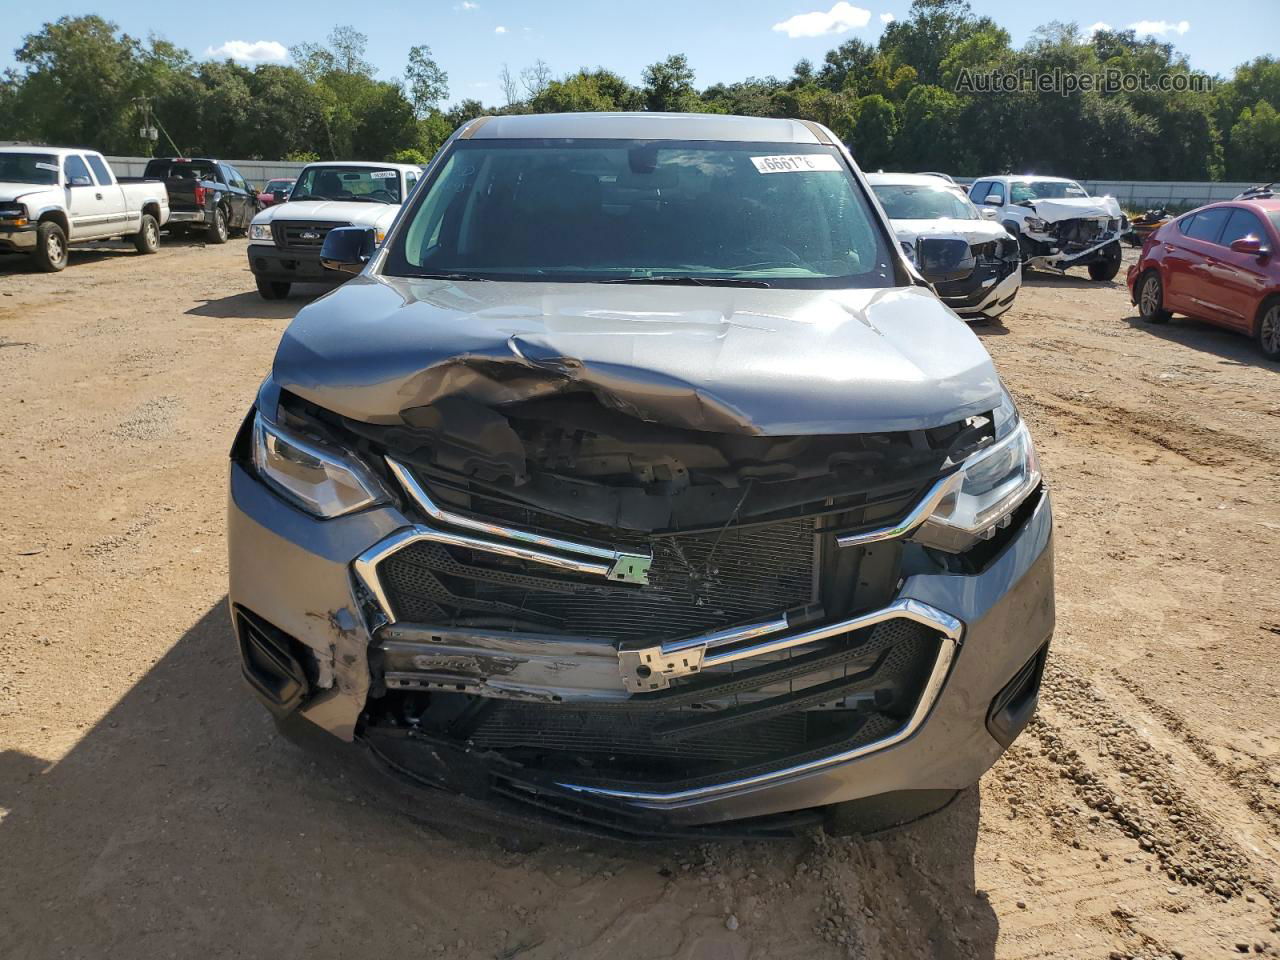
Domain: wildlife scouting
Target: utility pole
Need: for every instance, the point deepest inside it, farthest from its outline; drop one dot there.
(147, 132)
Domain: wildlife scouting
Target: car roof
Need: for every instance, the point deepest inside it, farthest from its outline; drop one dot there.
(362, 163)
(643, 126)
(37, 148)
(909, 179)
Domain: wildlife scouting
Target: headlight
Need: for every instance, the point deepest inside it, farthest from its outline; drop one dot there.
(259, 231)
(993, 483)
(13, 211)
(322, 479)
(1035, 223)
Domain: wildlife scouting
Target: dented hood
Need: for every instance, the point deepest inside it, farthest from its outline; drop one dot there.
(738, 360)
(1076, 208)
(974, 231)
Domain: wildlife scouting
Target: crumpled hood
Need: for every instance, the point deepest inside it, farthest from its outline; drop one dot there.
(1076, 208)
(10, 192)
(974, 231)
(757, 361)
(344, 211)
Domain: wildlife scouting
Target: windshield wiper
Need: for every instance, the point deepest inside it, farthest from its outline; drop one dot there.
(692, 281)
(369, 200)
(418, 275)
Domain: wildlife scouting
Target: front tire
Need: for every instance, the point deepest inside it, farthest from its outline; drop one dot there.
(1108, 268)
(217, 231)
(1269, 329)
(273, 289)
(51, 247)
(147, 239)
(1151, 298)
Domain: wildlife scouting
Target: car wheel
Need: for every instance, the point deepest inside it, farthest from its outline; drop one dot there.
(273, 289)
(51, 246)
(1151, 298)
(147, 239)
(1269, 329)
(1108, 268)
(217, 232)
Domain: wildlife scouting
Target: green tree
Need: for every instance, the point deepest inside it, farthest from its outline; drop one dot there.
(1255, 144)
(875, 131)
(427, 84)
(668, 85)
(847, 65)
(930, 133)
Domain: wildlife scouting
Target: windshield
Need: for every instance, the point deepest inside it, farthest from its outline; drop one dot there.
(274, 185)
(39, 168)
(180, 170)
(916, 202)
(1045, 190)
(593, 210)
(369, 184)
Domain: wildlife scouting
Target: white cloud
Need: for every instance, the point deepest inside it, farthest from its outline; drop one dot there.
(1160, 27)
(468, 5)
(260, 51)
(843, 16)
(499, 29)
(887, 18)
(1093, 28)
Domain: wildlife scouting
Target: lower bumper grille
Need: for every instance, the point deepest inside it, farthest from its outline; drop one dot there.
(745, 718)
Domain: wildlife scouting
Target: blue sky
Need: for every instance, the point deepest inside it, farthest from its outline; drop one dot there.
(724, 39)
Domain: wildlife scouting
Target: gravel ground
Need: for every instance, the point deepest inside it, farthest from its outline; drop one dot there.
(148, 809)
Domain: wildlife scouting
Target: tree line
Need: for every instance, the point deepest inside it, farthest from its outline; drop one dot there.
(901, 103)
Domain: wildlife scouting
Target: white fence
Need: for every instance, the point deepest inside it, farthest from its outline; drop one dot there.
(257, 172)
(1144, 194)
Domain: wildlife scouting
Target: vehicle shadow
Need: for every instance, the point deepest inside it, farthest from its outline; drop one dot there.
(181, 819)
(987, 327)
(1043, 278)
(1232, 346)
(17, 263)
(250, 305)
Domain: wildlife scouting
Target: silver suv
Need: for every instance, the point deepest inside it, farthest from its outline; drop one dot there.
(639, 480)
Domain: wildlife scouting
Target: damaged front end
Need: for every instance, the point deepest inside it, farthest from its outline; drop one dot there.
(972, 278)
(584, 608)
(1073, 232)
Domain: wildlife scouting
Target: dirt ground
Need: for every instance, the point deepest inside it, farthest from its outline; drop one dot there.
(148, 808)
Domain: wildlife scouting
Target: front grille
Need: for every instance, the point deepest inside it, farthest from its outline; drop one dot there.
(301, 234)
(697, 582)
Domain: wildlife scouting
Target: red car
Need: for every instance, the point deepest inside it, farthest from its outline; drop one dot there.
(276, 191)
(1221, 264)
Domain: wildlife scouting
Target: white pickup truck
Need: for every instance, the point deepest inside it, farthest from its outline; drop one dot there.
(285, 239)
(51, 197)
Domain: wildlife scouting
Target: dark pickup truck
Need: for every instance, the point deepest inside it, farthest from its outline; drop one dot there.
(204, 194)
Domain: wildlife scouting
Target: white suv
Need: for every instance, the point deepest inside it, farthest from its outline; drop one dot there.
(1057, 223)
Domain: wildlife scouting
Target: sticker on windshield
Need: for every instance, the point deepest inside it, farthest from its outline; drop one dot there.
(41, 165)
(383, 174)
(797, 163)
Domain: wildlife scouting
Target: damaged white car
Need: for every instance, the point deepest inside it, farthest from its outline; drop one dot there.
(975, 265)
(1057, 223)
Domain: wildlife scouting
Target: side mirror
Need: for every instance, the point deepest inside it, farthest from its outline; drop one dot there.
(1250, 246)
(347, 249)
(993, 201)
(80, 182)
(941, 259)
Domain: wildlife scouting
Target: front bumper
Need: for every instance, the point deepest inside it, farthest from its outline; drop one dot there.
(291, 266)
(298, 574)
(987, 293)
(19, 239)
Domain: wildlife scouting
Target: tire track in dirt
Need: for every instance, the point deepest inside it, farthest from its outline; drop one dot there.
(1082, 732)
(1256, 788)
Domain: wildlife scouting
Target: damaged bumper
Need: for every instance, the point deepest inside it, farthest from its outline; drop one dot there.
(784, 712)
(1075, 243)
(988, 292)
